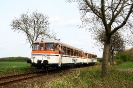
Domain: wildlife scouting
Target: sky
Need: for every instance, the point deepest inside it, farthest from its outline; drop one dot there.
(64, 19)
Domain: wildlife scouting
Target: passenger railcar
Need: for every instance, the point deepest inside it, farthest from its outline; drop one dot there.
(53, 53)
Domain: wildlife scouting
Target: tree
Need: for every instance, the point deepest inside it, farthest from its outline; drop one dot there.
(117, 43)
(33, 26)
(110, 15)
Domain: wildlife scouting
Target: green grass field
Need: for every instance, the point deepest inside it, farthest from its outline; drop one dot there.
(13, 67)
(125, 65)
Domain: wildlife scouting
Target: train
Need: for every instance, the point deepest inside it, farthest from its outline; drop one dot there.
(54, 53)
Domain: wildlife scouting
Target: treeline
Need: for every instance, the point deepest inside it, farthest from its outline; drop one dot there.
(120, 57)
(14, 59)
(126, 56)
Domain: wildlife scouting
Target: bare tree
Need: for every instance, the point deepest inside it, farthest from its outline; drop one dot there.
(33, 26)
(110, 15)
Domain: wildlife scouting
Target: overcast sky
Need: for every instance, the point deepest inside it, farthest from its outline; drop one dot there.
(64, 19)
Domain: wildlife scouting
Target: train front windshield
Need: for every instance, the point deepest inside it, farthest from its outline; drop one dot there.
(35, 46)
(45, 46)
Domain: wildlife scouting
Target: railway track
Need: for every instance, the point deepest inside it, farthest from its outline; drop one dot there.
(20, 77)
(6, 80)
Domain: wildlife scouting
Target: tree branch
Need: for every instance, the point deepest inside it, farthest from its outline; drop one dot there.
(95, 11)
(118, 12)
(125, 20)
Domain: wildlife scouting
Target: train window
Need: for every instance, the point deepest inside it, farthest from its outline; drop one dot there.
(35, 46)
(78, 53)
(91, 56)
(88, 56)
(75, 52)
(49, 46)
(85, 54)
(71, 52)
(41, 46)
(68, 51)
(64, 50)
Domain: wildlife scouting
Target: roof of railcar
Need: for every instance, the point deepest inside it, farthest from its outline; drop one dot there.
(56, 41)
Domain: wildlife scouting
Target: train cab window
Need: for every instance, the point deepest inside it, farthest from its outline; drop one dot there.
(35, 46)
(49, 46)
(56, 46)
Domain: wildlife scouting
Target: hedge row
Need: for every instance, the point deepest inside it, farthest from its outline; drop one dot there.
(14, 59)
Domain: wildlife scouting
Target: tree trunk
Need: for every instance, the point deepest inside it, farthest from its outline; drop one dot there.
(113, 58)
(105, 59)
(109, 59)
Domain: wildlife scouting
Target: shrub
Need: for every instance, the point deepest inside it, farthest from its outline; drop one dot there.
(124, 57)
(99, 59)
(119, 61)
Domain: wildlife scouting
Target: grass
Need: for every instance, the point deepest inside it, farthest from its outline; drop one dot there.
(14, 67)
(125, 65)
(82, 78)
(91, 78)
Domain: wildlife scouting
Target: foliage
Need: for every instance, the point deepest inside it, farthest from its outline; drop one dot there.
(130, 53)
(99, 59)
(14, 59)
(123, 57)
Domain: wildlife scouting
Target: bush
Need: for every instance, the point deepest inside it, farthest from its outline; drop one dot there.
(100, 59)
(119, 61)
(124, 57)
